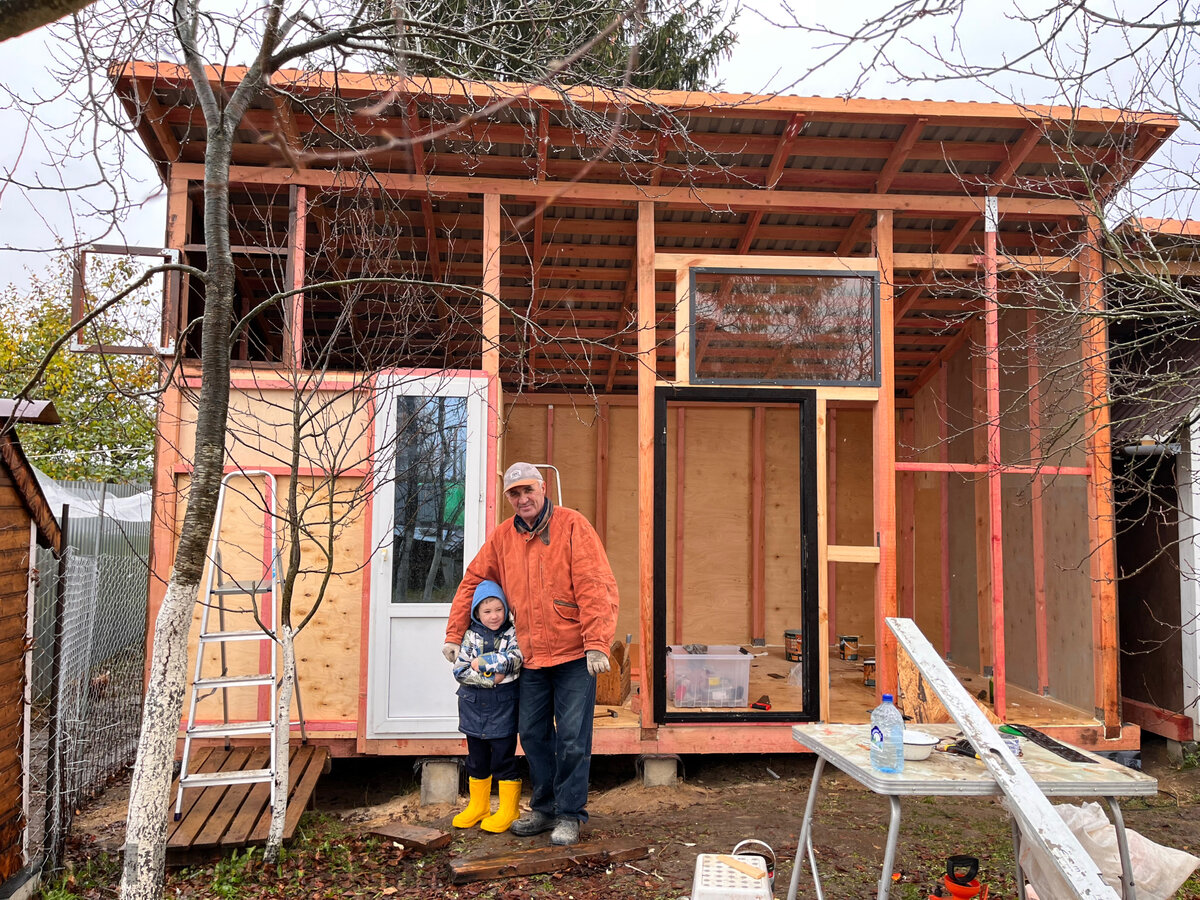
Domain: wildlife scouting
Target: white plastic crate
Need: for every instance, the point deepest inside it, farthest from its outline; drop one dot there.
(716, 880)
(720, 677)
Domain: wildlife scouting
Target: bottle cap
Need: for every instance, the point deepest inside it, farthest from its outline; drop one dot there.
(887, 698)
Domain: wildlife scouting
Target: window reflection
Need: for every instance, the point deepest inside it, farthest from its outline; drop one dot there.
(430, 490)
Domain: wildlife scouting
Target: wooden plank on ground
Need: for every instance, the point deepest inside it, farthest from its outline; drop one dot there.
(418, 837)
(1038, 821)
(235, 795)
(210, 798)
(304, 769)
(256, 805)
(543, 859)
(206, 759)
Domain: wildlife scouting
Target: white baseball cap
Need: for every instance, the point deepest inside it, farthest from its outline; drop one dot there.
(520, 473)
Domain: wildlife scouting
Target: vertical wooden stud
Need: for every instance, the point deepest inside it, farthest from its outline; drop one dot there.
(830, 533)
(602, 471)
(758, 528)
(944, 457)
(906, 562)
(680, 509)
(293, 341)
(1100, 493)
(824, 426)
(995, 526)
(491, 344)
(647, 375)
(1036, 504)
(884, 446)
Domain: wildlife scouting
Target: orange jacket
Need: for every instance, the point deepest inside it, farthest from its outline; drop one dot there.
(563, 595)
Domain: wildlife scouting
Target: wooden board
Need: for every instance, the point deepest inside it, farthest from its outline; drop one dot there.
(1040, 824)
(543, 859)
(415, 836)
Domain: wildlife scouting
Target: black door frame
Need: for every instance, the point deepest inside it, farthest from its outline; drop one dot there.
(806, 401)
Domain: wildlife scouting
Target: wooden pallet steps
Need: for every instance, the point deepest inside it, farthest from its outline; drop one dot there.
(219, 817)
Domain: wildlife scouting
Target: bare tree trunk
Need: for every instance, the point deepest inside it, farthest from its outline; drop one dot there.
(283, 715)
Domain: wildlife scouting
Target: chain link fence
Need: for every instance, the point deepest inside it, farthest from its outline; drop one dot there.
(87, 657)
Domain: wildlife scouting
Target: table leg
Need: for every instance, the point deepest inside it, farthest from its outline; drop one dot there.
(889, 855)
(805, 836)
(1128, 891)
(1016, 831)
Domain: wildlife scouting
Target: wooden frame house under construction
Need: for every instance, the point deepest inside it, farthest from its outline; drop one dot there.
(780, 350)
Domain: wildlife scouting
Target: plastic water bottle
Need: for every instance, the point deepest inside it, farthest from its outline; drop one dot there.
(887, 737)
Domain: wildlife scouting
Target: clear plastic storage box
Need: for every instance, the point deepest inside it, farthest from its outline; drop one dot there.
(720, 677)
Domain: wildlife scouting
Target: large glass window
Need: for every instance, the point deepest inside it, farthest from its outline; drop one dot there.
(431, 459)
(752, 326)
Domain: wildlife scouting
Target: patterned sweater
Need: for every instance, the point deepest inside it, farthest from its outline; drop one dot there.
(479, 640)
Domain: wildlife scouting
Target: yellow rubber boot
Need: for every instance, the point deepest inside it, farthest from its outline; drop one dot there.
(510, 799)
(480, 804)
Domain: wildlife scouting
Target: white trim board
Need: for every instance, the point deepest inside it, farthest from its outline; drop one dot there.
(1038, 821)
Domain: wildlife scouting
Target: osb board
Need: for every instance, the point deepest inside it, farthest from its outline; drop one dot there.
(1020, 625)
(782, 498)
(327, 651)
(1068, 591)
(1014, 384)
(930, 549)
(852, 604)
(260, 428)
(964, 610)
(575, 424)
(621, 540)
(1148, 591)
(1061, 388)
(716, 538)
(918, 701)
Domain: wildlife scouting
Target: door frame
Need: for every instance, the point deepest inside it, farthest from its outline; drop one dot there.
(423, 383)
(806, 401)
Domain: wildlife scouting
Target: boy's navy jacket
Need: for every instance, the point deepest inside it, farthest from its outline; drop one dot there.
(486, 709)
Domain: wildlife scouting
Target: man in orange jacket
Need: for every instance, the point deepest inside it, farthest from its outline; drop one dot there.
(563, 596)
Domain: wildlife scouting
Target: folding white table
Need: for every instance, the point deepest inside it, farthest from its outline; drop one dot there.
(951, 775)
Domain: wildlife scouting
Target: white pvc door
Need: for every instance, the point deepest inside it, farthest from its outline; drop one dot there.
(427, 524)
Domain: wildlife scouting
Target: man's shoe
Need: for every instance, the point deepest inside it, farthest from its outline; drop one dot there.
(533, 822)
(566, 832)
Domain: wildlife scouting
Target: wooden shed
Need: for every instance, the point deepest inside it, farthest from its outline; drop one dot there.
(26, 522)
(777, 351)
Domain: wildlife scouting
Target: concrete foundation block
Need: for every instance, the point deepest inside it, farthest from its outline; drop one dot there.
(439, 781)
(660, 771)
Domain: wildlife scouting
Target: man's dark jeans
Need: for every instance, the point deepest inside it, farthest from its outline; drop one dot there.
(557, 708)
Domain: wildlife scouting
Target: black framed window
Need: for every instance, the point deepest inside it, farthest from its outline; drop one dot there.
(779, 326)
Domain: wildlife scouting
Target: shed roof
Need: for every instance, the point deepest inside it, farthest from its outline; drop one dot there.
(734, 173)
(12, 458)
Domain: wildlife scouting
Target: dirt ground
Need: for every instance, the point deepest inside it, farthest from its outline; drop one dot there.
(721, 801)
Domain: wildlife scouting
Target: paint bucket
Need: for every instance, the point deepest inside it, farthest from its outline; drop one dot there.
(869, 672)
(792, 645)
(848, 644)
(755, 844)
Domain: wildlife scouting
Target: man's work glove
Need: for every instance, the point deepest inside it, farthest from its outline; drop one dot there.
(597, 662)
(450, 651)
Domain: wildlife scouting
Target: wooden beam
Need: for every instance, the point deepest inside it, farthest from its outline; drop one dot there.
(616, 194)
(508, 863)
(490, 340)
(884, 465)
(887, 174)
(995, 524)
(1100, 485)
(293, 339)
(155, 115)
(758, 528)
(948, 245)
(906, 565)
(646, 378)
(824, 569)
(602, 471)
(850, 554)
(1017, 154)
(680, 512)
(943, 412)
(1036, 502)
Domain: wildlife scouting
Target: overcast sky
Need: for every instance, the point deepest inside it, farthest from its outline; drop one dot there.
(767, 58)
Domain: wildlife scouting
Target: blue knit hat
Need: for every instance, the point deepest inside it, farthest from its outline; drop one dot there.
(487, 590)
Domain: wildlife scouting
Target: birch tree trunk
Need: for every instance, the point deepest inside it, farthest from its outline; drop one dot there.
(283, 714)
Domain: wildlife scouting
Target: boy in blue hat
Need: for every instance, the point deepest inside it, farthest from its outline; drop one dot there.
(488, 666)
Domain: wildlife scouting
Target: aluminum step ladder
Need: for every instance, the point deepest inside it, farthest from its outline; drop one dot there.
(219, 588)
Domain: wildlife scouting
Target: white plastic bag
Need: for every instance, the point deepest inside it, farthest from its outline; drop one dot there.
(1158, 871)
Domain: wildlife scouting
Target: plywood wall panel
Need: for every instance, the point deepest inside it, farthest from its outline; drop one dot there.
(1014, 384)
(575, 455)
(1020, 631)
(1068, 591)
(928, 502)
(622, 537)
(782, 492)
(854, 599)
